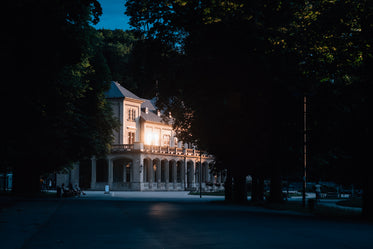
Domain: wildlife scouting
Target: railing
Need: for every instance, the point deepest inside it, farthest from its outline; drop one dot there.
(121, 147)
(191, 152)
(115, 148)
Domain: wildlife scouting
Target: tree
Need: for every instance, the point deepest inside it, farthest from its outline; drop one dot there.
(54, 105)
(221, 76)
(238, 61)
(117, 47)
(336, 53)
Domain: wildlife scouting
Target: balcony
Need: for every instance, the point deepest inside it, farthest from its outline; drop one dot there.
(139, 147)
(121, 148)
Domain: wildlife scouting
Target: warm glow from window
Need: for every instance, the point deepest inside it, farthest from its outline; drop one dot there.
(148, 138)
(156, 138)
(151, 138)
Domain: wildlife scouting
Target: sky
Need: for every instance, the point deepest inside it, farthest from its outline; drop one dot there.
(113, 15)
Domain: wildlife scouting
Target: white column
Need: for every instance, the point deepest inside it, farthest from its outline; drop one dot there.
(75, 174)
(93, 172)
(145, 170)
(184, 172)
(150, 171)
(140, 163)
(158, 172)
(193, 174)
(137, 134)
(136, 177)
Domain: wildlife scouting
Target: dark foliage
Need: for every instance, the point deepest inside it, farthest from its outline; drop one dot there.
(53, 103)
(238, 71)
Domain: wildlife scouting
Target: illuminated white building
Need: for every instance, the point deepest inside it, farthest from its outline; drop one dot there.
(146, 155)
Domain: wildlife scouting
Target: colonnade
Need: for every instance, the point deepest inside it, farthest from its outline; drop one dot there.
(149, 172)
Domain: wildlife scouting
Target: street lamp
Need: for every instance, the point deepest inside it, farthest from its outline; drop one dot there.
(304, 150)
(200, 173)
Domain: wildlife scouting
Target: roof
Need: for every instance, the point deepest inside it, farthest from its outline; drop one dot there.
(152, 115)
(150, 104)
(116, 91)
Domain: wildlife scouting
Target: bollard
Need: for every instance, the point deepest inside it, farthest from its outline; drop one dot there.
(107, 189)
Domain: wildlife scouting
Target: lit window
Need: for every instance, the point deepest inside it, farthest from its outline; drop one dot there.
(152, 138)
(166, 140)
(148, 138)
(131, 137)
(156, 138)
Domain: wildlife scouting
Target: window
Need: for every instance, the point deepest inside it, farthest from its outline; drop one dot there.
(131, 114)
(131, 137)
(166, 140)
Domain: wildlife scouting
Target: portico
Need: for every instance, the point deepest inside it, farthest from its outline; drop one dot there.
(154, 171)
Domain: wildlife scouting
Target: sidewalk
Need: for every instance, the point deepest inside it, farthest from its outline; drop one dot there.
(151, 196)
(327, 202)
(183, 196)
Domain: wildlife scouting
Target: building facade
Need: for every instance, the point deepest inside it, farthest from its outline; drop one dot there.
(146, 154)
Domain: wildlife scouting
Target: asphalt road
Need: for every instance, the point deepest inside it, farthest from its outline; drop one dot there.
(114, 222)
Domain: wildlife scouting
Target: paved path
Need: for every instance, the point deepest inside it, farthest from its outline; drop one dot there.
(152, 196)
(124, 220)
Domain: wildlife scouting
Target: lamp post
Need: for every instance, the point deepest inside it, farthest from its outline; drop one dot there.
(200, 173)
(304, 150)
(185, 169)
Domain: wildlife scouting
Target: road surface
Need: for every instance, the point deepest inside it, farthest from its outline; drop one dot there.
(118, 221)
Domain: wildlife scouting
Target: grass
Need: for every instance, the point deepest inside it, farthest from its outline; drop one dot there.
(351, 203)
(296, 206)
(324, 212)
(318, 210)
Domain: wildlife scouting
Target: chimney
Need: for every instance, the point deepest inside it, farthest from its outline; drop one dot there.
(169, 115)
(146, 110)
(158, 113)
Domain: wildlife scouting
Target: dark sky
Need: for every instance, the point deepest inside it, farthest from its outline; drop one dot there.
(113, 15)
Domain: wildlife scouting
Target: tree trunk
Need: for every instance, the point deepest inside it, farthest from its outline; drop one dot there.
(260, 188)
(275, 189)
(257, 192)
(239, 189)
(367, 200)
(254, 188)
(228, 186)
